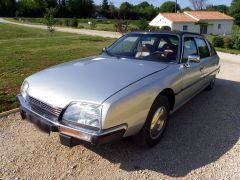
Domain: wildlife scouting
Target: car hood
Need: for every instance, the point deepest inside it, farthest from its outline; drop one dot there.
(91, 79)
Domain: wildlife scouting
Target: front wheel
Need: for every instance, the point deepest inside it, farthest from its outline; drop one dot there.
(155, 124)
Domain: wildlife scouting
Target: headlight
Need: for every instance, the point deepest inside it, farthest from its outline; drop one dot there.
(83, 114)
(24, 89)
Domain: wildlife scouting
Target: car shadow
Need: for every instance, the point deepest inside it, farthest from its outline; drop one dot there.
(198, 134)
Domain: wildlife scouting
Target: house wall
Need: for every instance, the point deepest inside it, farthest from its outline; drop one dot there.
(191, 27)
(160, 21)
(226, 27)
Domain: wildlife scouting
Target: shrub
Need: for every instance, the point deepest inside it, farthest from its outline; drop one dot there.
(165, 28)
(66, 22)
(121, 26)
(142, 24)
(218, 41)
(80, 26)
(228, 42)
(74, 22)
(237, 42)
(93, 24)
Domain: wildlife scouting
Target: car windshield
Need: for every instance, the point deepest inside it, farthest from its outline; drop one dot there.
(153, 47)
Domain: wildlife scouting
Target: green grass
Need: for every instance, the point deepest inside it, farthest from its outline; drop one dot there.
(104, 25)
(25, 51)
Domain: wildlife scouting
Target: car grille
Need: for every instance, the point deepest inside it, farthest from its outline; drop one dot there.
(42, 108)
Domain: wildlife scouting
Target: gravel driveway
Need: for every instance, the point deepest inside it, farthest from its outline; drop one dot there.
(201, 142)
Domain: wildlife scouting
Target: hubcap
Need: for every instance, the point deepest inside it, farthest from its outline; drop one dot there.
(158, 122)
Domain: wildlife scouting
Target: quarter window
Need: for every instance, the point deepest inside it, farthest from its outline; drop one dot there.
(202, 48)
(190, 48)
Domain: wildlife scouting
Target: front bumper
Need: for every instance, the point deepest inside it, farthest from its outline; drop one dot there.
(69, 136)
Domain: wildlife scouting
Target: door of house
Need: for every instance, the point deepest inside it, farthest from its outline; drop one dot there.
(203, 29)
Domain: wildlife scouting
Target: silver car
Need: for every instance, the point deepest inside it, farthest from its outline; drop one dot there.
(129, 90)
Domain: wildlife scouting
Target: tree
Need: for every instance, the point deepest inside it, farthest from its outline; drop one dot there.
(142, 24)
(7, 7)
(235, 7)
(80, 8)
(105, 5)
(187, 9)
(125, 10)
(198, 4)
(49, 17)
(220, 8)
(30, 8)
(169, 6)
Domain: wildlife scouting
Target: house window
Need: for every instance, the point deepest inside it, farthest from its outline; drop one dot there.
(185, 28)
(219, 26)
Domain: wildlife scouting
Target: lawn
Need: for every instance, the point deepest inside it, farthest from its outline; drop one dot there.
(25, 51)
(104, 25)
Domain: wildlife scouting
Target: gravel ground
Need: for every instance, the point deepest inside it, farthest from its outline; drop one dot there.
(201, 142)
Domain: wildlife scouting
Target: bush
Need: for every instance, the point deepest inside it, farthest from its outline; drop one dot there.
(237, 42)
(121, 26)
(66, 22)
(142, 24)
(218, 41)
(228, 42)
(74, 22)
(80, 26)
(165, 28)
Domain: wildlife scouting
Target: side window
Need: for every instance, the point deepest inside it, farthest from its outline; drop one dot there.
(190, 48)
(202, 48)
(212, 49)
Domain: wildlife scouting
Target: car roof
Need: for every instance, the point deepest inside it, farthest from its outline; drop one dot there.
(179, 33)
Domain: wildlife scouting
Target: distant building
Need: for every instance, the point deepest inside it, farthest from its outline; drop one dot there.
(204, 22)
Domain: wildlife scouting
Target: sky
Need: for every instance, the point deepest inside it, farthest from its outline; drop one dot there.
(183, 3)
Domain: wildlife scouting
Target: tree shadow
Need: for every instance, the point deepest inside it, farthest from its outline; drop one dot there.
(199, 133)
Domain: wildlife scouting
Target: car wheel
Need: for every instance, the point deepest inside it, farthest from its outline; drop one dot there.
(212, 84)
(155, 124)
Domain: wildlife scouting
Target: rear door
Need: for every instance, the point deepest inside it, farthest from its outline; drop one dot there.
(209, 59)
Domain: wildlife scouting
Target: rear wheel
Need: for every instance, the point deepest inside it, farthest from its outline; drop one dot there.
(155, 124)
(211, 84)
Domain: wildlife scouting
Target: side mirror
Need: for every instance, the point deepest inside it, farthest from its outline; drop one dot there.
(192, 58)
(104, 49)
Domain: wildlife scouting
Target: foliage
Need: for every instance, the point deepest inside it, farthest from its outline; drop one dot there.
(235, 8)
(228, 42)
(74, 22)
(169, 6)
(220, 8)
(93, 24)
(236, 42)
(237, 19)
(7, 7)
(142, 24)
(165, 28)
(218, 41)
(49, 17)
(122, 26)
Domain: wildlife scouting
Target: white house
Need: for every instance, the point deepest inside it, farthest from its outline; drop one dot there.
(204, 22)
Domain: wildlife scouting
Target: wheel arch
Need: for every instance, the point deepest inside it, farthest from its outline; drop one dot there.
(169, 93)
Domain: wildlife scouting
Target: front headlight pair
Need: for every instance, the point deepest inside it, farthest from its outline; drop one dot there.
(83, 114)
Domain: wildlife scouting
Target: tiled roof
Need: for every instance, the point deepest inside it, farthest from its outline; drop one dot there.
(178, 17)
(208, 15)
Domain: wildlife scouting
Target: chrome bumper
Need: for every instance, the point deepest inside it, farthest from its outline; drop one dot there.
(69, 136)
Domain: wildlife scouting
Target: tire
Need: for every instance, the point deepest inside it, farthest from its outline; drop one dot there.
(211, 84)
(151, 134)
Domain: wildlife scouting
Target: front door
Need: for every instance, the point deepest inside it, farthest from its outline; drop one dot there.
(191, 75)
